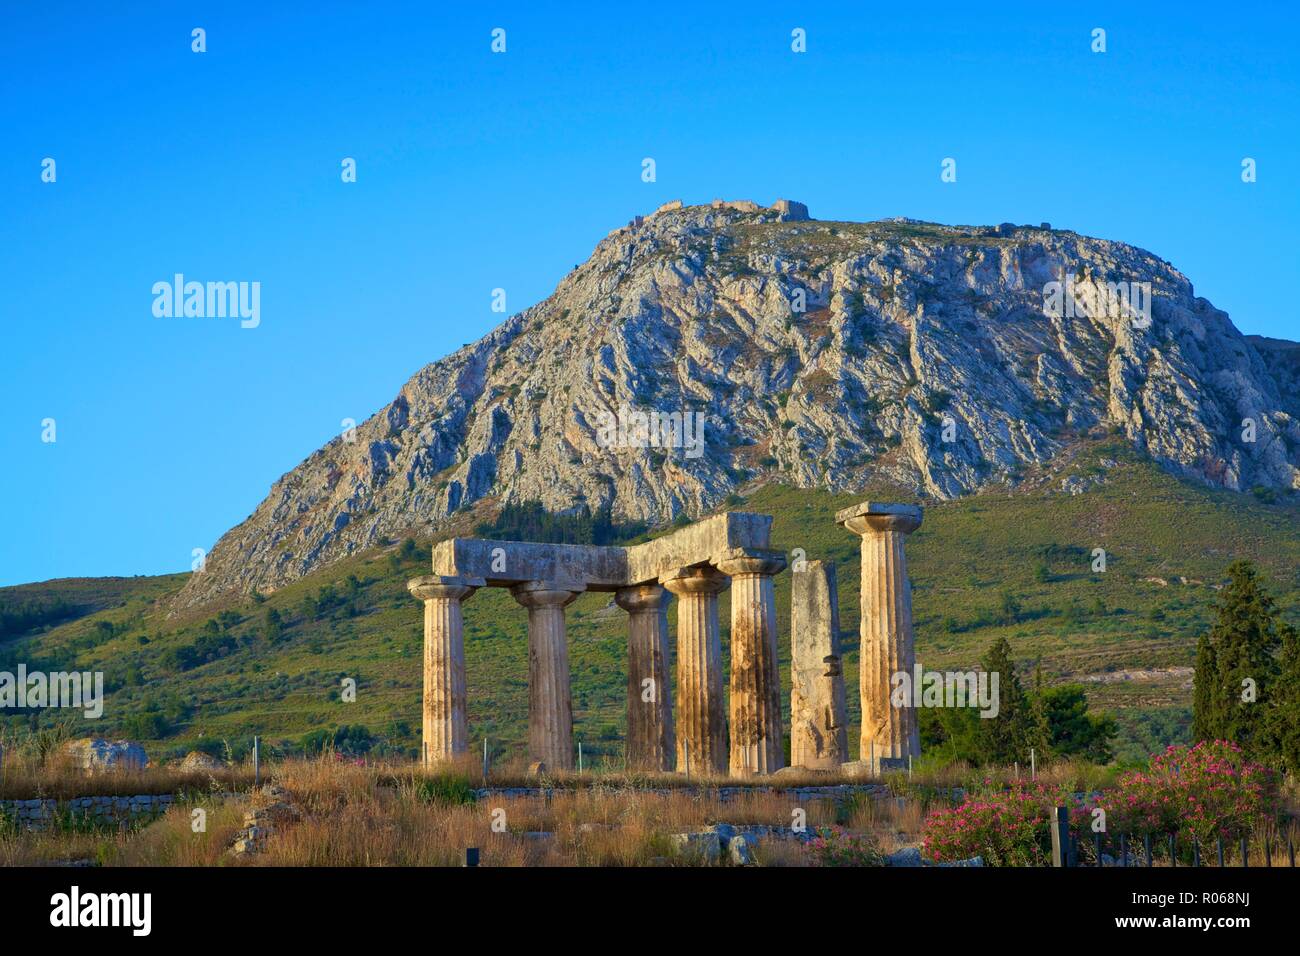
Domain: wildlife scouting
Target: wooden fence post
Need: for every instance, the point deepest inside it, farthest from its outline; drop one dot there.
(1059, 821)
(1245, 859)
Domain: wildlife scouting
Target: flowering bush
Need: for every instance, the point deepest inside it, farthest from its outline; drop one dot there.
(1005, 827)
(835, 846)
(1208, 791)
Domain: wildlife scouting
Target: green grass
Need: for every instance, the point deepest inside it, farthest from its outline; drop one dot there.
(1035, 547)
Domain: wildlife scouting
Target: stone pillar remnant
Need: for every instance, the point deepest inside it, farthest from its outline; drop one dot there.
(550, 707)
(889, 733)
(444, 733)
(701, 730)
(755, 707)
(649, 688)
(818, 719)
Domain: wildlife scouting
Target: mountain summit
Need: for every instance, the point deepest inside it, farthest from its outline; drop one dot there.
(770, 345)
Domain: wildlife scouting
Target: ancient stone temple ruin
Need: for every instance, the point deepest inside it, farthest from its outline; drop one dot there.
(690, 731)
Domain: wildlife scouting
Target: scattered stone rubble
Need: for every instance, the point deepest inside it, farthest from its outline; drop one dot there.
(271, 811)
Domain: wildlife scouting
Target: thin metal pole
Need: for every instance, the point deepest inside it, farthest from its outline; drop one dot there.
(257, 766)
(1173, 855)
(1245, 859)
(1219, 846)
(1196, 851)
(1123, 849)
(579, 756)
(1146, 842)
(1033, 764)
(485, 761)
(1096, 845)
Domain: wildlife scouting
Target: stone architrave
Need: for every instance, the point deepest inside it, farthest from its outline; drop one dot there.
(888, 733)
(818, 721)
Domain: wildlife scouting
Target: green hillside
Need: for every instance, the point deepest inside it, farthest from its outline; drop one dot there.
(1016, 563)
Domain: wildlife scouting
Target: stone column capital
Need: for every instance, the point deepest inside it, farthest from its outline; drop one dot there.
(641, 597)
(545, 594)
(432, 586)
(873, 517)
(756, 561)
(696, 580)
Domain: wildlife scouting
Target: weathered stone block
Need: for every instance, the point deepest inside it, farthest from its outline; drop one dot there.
(818, 721)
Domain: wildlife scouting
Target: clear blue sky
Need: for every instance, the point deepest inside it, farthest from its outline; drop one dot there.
(478, 171)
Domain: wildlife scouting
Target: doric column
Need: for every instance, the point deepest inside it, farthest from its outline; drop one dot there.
(887, 643)
(445, 733)
(649, 695)
(550, 707)
(701, 732)
(756, 744)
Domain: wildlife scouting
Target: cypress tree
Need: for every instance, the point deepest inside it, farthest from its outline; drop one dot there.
(1236, 685)
(1004, 738)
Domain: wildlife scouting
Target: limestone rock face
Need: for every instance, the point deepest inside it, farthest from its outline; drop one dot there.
(823, 354)
(818, 719)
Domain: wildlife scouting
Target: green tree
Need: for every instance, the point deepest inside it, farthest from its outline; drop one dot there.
(1284, 723)
(1237, 668)
(1070, 730)
(1005, 738)
(272, 626)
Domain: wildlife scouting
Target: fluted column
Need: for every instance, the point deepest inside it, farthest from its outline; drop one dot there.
(444, 732)
(701, 731)
(887, 641)
(550, 706)
(756, 738)
(649, 695)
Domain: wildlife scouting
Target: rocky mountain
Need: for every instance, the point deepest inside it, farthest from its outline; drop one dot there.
(832, 354)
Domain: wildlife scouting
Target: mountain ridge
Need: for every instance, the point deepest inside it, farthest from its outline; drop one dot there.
(823, 354)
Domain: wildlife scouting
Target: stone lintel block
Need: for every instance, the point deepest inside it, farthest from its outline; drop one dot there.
(507, 563)
(597, 568)
(879, 516)
(696, 544)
